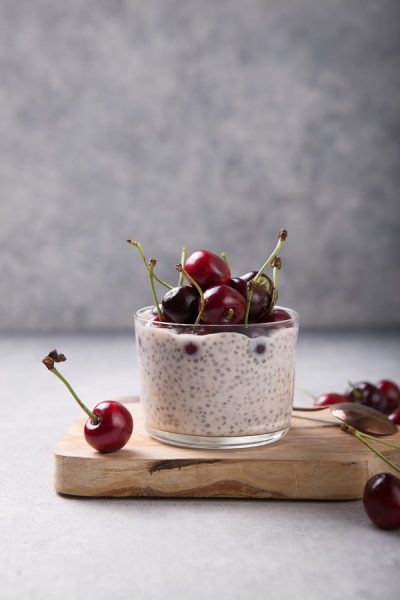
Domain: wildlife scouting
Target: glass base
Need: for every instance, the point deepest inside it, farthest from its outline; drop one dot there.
(214, 442)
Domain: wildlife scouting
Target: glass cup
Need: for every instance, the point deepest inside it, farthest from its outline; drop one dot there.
(216, 386)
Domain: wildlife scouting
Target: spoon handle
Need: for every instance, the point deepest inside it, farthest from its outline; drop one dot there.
(309, 408)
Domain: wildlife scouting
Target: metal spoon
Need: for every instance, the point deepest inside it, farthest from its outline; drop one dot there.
(363, 418)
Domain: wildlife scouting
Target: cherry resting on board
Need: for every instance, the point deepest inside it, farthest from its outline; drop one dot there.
(110, 424)
(382, 500)
(395, 416)
(329, 399)
(368, 394)
(392, 393)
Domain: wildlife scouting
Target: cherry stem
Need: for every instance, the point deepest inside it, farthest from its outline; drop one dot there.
(181, 269)
(229, 314)
(94, 418)
(225, 259)
(306, 392)
(139, 248)
(360, 436)
(150, 270)
(380, 441)
(356, 393)
(249, 295)
(276, 267)
(183, 259)
(281, 238)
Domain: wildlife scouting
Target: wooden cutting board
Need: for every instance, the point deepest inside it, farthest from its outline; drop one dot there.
(315, 460)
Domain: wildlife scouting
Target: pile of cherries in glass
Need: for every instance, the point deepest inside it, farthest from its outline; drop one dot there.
(382, 492)
(208, 294)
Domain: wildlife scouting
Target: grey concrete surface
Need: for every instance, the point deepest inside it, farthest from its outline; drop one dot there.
(64, 548)
(209, 123)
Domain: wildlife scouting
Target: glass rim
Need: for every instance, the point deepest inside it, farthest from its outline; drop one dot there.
(294, 320)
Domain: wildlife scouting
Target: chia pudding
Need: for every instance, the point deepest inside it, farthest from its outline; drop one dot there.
(225, 386)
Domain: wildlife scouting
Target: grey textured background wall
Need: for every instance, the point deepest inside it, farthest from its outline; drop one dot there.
(211, 123)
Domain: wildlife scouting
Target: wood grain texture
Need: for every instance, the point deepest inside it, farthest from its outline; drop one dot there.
(314, 461)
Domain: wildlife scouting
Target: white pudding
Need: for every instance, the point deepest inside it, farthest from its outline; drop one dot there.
(217, 384)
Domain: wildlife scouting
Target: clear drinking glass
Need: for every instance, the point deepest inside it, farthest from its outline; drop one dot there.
(216, 386)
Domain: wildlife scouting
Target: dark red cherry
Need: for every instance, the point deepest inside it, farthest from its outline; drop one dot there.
(260, 302)
(391, 392)
(278, 314)
(328, 399)
(223, 305)
(395, 416)
(207, 269)
(239, 284)
(180, 305)
(382, 500)
(366, 393)
(260, 298)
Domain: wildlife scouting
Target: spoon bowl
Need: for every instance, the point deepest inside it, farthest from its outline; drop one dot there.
(363, 418)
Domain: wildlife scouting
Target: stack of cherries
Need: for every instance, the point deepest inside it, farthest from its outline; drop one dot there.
(384, 397)
(208, 294)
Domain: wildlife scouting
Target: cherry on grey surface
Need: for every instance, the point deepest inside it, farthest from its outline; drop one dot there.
(207, 123)
(152, 549)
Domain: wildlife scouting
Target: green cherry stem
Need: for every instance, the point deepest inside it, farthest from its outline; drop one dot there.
(356, 393)
(49, 363)
(183, 259)
(150, 271)
(229, 314)
(181, 269)
(360, 436)
(276, 267)
(281, 238)
(139, 248)
(380, 441)
(95, 419)
(306, 392)
(249, 295)
(225, 259)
